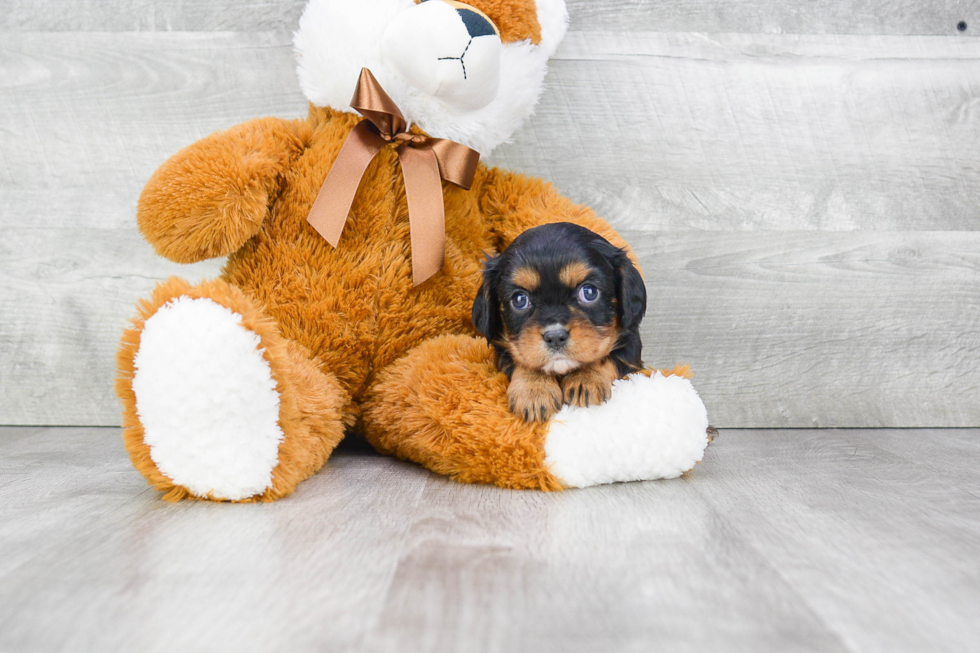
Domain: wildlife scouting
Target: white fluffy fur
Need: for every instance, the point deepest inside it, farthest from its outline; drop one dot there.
(652, 427)
(560, 366)
(336, 38)
(207, 400)
(467, 84)
(553, 18)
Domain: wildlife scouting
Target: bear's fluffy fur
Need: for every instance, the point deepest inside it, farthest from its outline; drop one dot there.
(349, 341)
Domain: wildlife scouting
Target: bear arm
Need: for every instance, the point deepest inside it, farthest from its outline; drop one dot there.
(513, 203)
(212, 196)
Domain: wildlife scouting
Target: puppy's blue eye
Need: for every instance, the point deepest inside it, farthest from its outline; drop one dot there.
(519, 300)
(587, 293)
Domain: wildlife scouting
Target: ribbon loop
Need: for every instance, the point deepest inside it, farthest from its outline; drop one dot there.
(425, 162)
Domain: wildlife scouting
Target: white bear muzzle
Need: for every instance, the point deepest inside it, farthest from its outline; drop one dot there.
(448, 50)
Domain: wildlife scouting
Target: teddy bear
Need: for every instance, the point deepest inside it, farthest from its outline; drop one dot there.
(238, 388)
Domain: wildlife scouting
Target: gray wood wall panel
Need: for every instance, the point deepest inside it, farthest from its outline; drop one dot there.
(819, 328)
(711, 16)
(822, 133)
(741, 132)
(806, 207)
(777, 17)
(99, 112)
(782, 328)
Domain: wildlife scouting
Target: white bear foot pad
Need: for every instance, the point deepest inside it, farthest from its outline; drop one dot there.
(207, 400)
(651, 428)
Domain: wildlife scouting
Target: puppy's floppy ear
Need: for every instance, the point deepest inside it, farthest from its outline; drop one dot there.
(631, 292)
(486, 311)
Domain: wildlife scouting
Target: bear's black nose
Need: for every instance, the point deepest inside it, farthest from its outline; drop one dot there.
(476, 25)
(556, 338)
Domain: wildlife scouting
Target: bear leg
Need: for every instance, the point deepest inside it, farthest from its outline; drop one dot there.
(217, 404)
(444, 405)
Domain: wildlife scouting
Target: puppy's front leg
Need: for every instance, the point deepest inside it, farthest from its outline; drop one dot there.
(591, 384)
(533, 395)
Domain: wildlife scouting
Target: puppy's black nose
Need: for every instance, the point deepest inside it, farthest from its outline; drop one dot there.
(476, 25)
(556, 338)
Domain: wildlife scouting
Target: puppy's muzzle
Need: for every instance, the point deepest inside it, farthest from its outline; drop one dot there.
(555, 338)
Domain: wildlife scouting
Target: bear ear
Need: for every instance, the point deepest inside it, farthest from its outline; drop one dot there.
(553, 18)
(486, 311)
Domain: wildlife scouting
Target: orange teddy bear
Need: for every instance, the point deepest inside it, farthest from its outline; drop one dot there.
(239, 388)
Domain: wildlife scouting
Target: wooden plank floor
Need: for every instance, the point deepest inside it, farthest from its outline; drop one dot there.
(833, 540)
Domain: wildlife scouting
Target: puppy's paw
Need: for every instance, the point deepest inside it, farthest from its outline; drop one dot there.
(533, 396)
(590, 385)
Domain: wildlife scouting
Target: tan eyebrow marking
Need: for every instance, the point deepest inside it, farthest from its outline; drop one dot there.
(574, 273)
(527, 278)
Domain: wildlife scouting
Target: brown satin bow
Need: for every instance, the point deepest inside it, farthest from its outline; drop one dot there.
(425, 163)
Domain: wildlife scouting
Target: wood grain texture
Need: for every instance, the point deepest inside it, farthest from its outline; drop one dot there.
(682, 131)
(736, 132)
(805, 329)
(93, 115)
(902, 17)
(712, 16)
(789, 329)
(808, 204)
(855, 541)
(849, 509)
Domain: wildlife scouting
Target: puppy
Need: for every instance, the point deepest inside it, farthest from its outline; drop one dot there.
(562, 308)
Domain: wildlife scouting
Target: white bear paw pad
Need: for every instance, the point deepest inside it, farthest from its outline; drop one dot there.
(651, 428)
(207, 400)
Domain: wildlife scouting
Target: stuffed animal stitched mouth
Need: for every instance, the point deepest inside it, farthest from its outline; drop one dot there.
(476, 26)
(460, 57)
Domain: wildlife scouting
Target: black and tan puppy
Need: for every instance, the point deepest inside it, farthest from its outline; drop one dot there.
(562, 308)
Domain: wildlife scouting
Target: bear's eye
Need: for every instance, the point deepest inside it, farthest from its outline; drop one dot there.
(587, 293)
(520, 301)
(477, 24)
